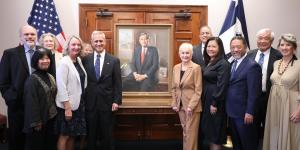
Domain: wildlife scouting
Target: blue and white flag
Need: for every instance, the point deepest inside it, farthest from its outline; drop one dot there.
(44, 18)
(234, 24)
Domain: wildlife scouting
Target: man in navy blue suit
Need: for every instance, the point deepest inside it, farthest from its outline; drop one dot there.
(243, 93)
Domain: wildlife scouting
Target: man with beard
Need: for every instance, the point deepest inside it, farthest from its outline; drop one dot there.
(243, 92)
(15, 68)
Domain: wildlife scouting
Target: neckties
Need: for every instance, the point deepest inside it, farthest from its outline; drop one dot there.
(97, 66)
(142, 55)
(31, 52)
(261, 59)
(233, 68)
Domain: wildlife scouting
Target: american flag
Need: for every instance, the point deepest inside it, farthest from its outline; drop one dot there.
(44, 18)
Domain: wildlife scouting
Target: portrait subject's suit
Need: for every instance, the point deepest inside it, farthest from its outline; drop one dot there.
(242, 95)
(99, 97)
(186, 93)
(13, 73)
(150, 67)
(263, 100)
(198, 56)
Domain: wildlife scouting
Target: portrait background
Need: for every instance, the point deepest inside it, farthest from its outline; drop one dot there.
(127, 37)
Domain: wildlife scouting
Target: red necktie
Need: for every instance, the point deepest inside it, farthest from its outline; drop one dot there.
(143, 55)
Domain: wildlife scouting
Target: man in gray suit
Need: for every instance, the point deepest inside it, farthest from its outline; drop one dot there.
(205, 34)
(265, 55)
(144, 66)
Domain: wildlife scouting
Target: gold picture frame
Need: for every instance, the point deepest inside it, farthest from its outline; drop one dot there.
(126, 42)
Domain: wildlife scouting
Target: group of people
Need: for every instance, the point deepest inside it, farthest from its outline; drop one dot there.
(257, 94)
(53, 98)
(74, 94)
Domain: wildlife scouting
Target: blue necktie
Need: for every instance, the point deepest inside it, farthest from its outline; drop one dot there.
(97, 67)
(31, 52)
(233, 69)
(261, 59)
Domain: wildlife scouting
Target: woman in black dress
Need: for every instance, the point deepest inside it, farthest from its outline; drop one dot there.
(39, 101)
(215, 77)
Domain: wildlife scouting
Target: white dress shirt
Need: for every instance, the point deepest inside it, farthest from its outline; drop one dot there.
(264, 67)
(239, 61)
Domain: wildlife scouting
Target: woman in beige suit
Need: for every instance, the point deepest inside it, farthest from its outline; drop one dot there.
(186, 93)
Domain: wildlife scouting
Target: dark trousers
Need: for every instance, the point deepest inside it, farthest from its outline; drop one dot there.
(44, 139)
(16, 138)
(99, 126)
(261, 113)
(244, 137)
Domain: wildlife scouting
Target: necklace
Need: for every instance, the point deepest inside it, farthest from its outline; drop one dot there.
(285, 67)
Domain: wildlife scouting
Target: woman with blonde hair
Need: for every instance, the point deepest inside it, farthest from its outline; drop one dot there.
(71, 81)
(49, 41)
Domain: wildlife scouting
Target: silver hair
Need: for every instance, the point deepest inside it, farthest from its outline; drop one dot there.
(186, 46)
(97, 33)
(290, 38)
(266, 30)
(41, 40)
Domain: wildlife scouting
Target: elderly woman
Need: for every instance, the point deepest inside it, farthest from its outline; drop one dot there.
(86, 50)
(49, 41)
(71, 82)
(282, 129)
(216, 78)
(39, 100)
(186, 92)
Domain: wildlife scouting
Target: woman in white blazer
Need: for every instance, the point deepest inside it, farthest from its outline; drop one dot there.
(71, 80)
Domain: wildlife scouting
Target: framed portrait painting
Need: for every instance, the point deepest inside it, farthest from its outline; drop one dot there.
(146, 57)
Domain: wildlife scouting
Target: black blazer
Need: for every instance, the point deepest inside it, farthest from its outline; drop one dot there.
(197, 56)
(274, 55)
(102, 93)
(14, 72)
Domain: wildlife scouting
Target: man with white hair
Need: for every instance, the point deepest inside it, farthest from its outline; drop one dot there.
(265, 55)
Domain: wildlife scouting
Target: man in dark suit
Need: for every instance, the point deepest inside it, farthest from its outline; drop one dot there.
(265, 56)
(144, 67)
(242, 95)
(15, 68)
(198, 58)
(103, 93)
(205, 34)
